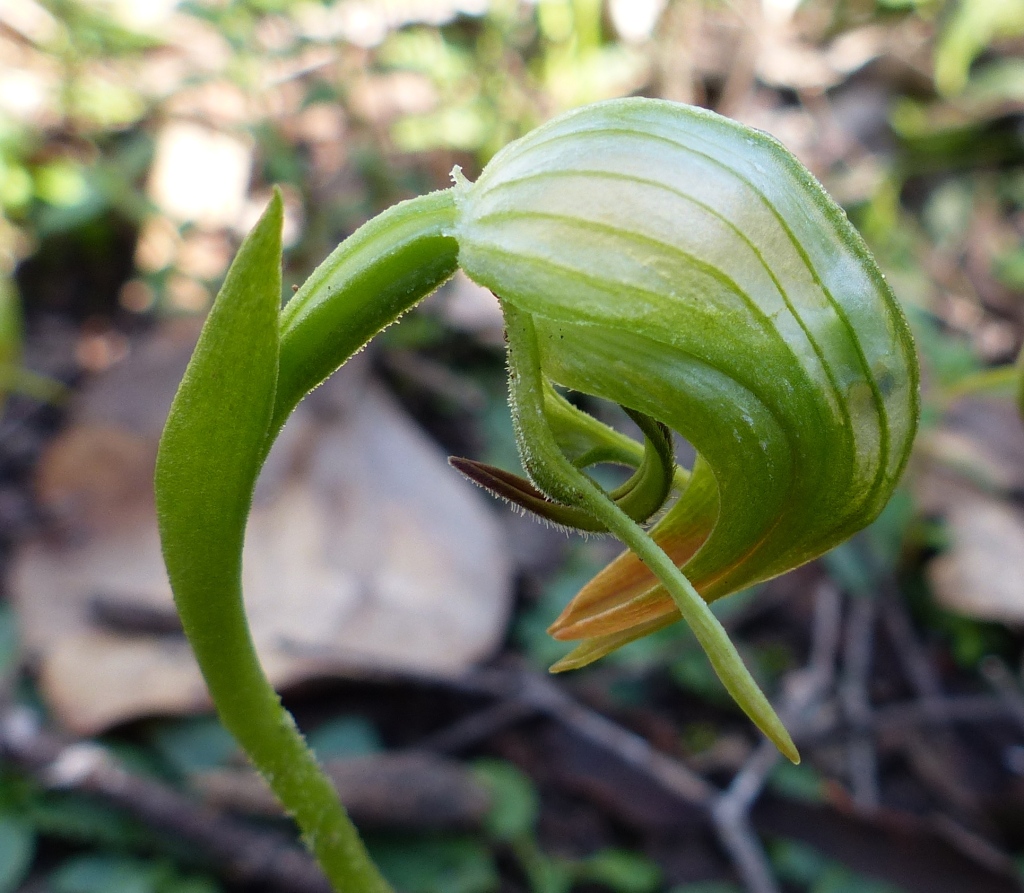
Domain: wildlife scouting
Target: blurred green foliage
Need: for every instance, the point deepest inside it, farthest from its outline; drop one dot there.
(802, 865)
(513, 823)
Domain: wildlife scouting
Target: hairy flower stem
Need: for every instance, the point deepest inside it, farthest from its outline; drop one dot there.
(382, 270)
(558, 476)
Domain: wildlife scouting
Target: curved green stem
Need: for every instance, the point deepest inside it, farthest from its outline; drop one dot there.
(251, 367)
(556, 475)
(378, 273)
(586, 441)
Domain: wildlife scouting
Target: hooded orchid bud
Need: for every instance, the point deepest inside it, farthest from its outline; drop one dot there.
(693, 271)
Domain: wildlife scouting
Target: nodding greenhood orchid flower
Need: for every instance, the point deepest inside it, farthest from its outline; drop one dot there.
(655, 255)
(691, 270)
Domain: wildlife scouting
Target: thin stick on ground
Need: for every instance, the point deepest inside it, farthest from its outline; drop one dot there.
(1002, 681)
(935, 756)
(853, 695)
(548, 698)
(803, 691)
(240, 853)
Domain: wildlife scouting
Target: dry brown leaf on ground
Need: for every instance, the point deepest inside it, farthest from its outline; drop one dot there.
(985, 436)
(365, 552)
(982, 575)
(966, 472)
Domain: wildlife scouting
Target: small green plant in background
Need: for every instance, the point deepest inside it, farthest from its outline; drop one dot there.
(1020, 384)
(512, 824)
(646, 253)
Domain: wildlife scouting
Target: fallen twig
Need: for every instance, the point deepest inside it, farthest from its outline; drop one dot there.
(240, 853)
(477, 726)
(853, 696)
(932, 757)
(548, 698)
(802, 693)
(1005, 686)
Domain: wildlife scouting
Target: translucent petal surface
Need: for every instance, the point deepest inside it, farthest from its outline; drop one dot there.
(690, 268)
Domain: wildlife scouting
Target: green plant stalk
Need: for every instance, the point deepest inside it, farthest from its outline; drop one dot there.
(252, 369)
(550, 467)
(378, 273)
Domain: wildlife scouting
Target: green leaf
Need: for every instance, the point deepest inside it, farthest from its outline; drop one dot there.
(441, 865)
(194, 744)
(346, 736)
(801, 864)
(514, 798)
(74, 817)
(801, 782)
(213, 442)
(9, 641)
(10, 322)
(797, 862)
(17, 847)
(544, 874)
(10, 333)
(707, 887)
(621, 871)
(971, 27)
(109, 874)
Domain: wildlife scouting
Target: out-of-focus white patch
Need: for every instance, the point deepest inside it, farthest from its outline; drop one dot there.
(473, 308)
(29, 19)
(367, 22)
(778, 12)
(980, 575)
(200, 175)
(634, 20)
(186, 295)
(854, 49)
(138, 15)
(75, 764)
(25, 94)
(157, 244)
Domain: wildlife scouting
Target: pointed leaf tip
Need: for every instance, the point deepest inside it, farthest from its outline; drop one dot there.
(212, 445)
(519, 491)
